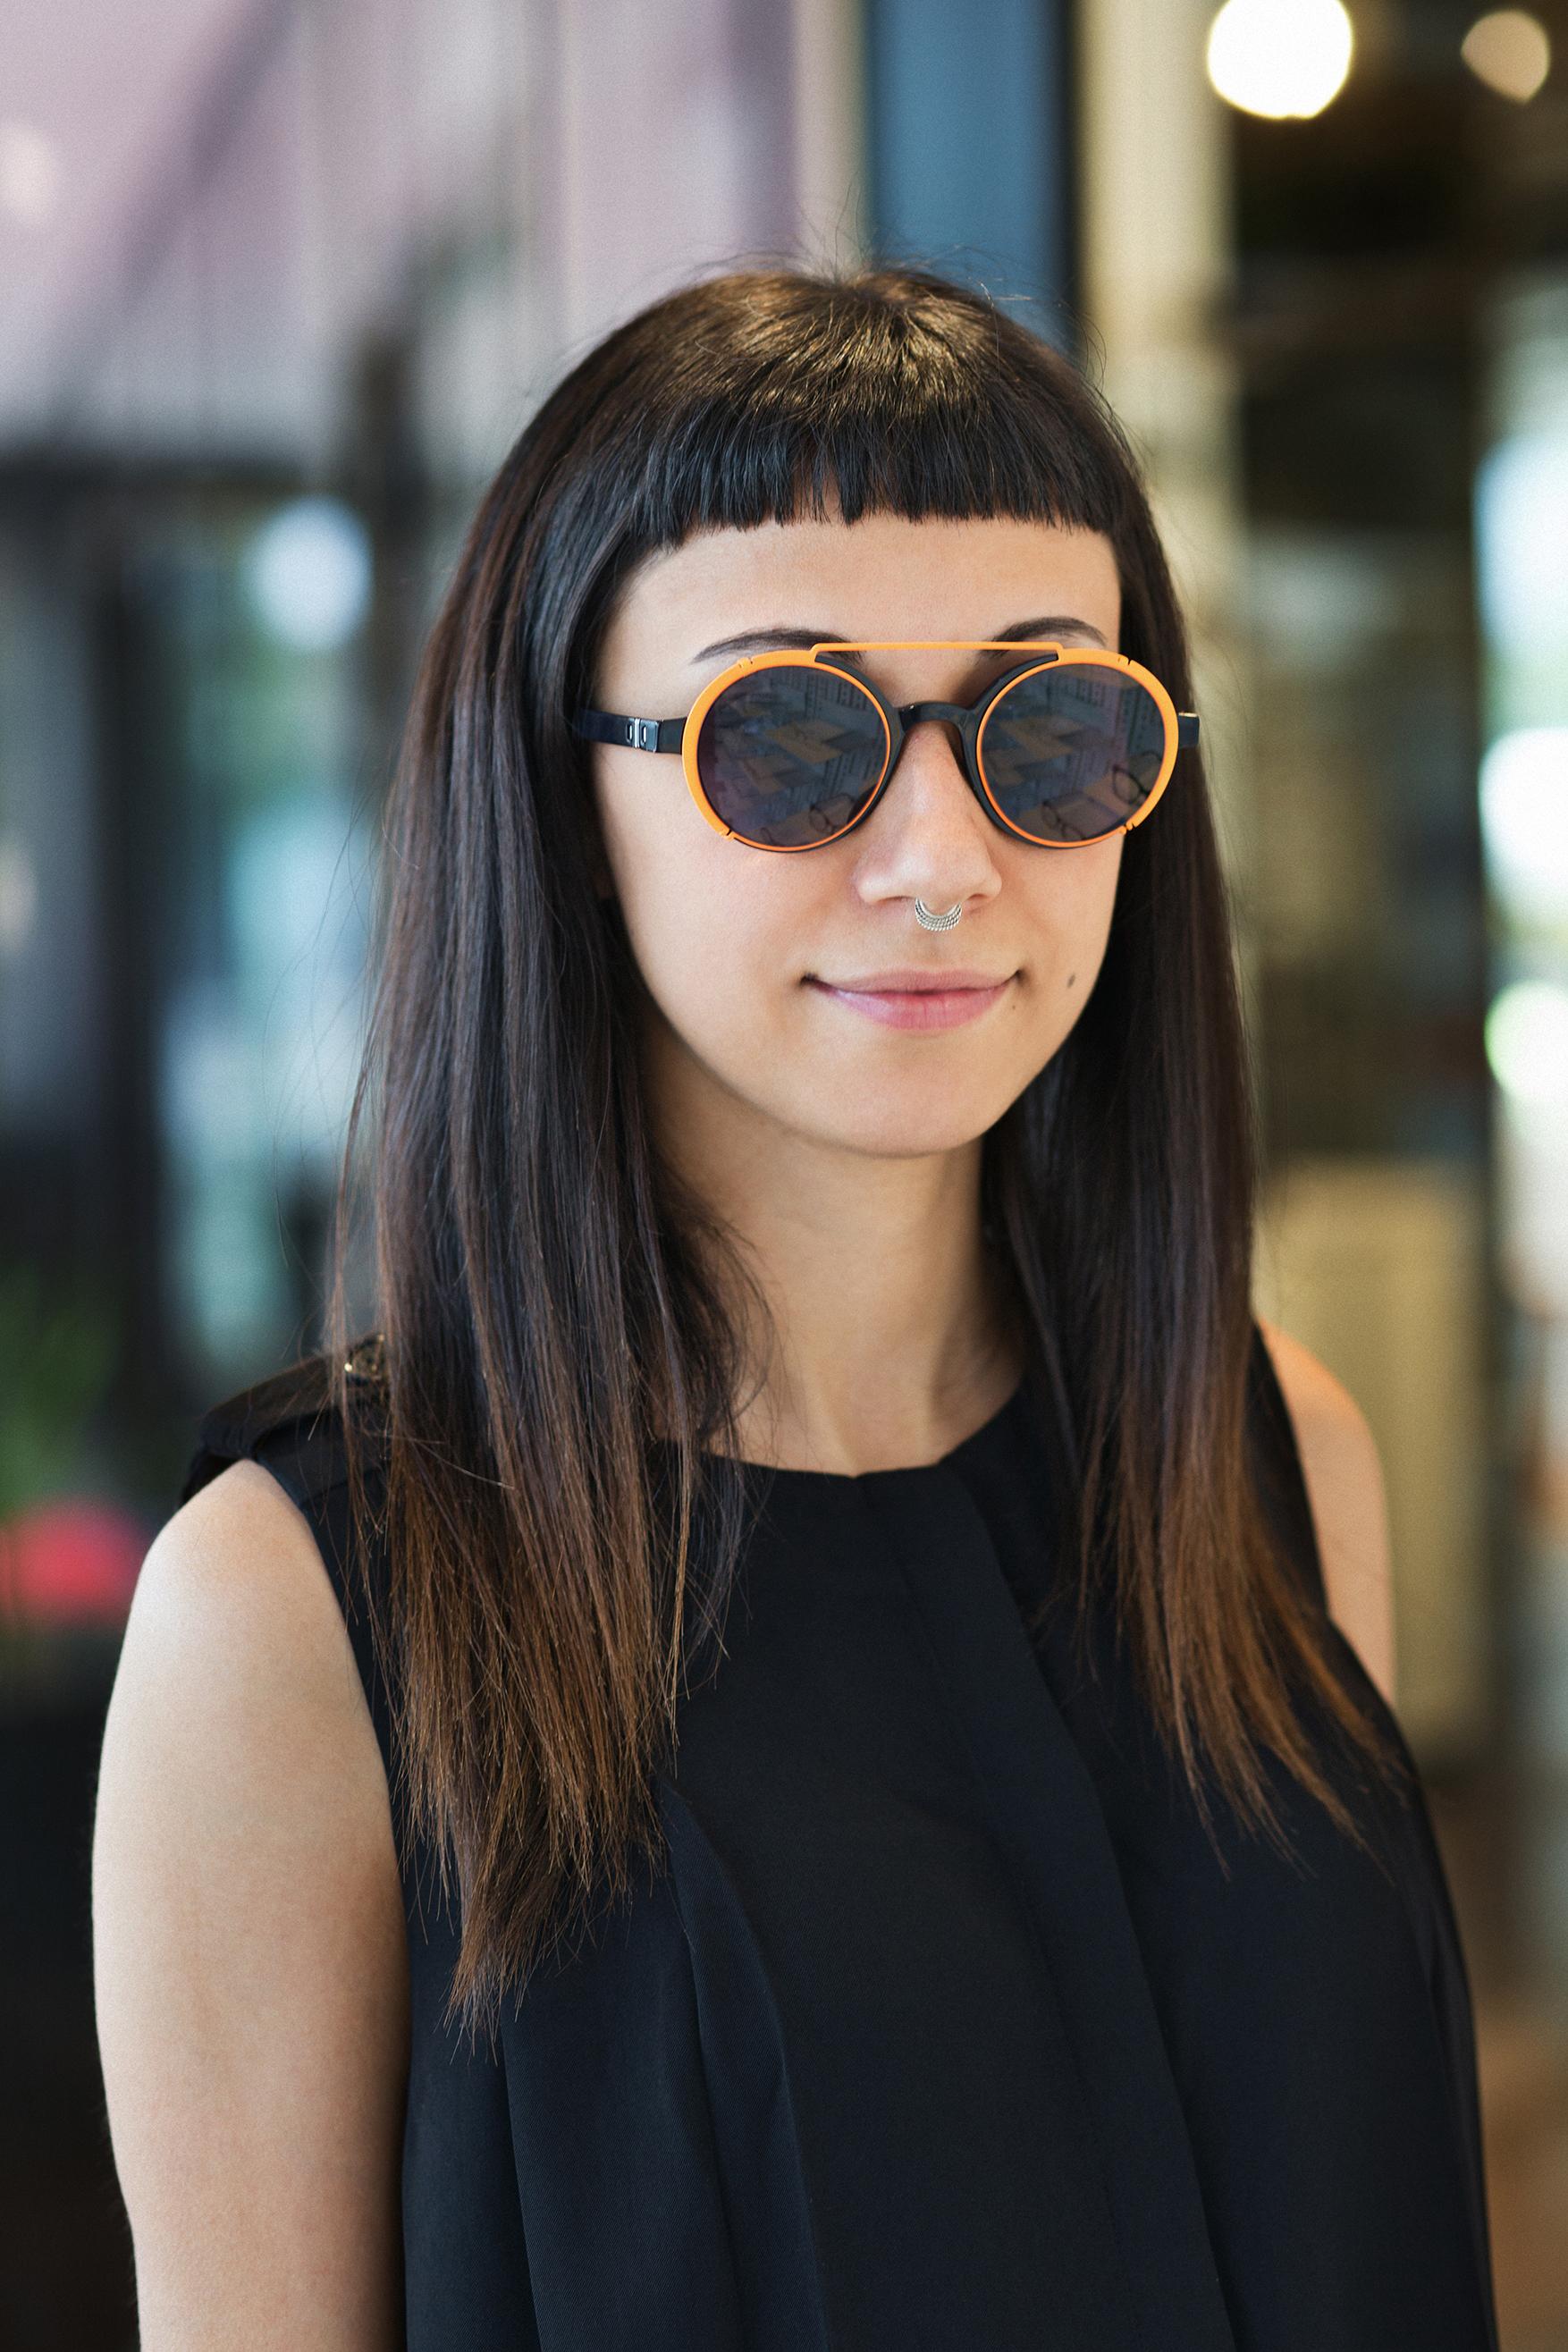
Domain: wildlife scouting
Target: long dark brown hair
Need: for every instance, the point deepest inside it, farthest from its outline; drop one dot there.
(562, 1508)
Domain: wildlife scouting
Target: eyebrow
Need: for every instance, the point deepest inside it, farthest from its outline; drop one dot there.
(1056, 627)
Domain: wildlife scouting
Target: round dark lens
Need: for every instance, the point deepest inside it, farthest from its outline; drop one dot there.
(1069, 753)
(791, 756)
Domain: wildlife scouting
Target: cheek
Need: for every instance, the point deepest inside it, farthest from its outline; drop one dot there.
(703, 915)
(1069, 896)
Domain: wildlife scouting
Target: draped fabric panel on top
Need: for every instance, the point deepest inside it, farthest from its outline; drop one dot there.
(945, 2023)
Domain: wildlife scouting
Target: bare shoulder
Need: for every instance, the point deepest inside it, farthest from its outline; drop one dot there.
(1344, 1486)
(249, 1954)
(235, 1577)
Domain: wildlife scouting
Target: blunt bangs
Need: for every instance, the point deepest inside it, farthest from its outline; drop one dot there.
(758, 404)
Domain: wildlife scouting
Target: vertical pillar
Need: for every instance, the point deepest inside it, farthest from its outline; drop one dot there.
(1155, 241)
(969, 115)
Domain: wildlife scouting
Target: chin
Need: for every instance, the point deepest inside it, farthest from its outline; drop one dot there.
(920, 1128)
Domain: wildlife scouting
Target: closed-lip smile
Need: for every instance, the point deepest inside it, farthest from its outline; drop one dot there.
(917, 997)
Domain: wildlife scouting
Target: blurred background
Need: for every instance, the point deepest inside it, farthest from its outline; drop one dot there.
(279, 282)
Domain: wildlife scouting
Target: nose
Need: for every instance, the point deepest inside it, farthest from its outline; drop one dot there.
(928, 837)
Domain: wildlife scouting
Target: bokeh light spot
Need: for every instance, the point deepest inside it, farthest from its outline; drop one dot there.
(1281, 58)
(29, 173)
(308, 573)
(18, 898)
(1521, 529)
(1524, 822)
(1527, 1042)
(1510, 51)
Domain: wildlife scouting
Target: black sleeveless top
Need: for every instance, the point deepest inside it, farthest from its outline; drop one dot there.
(947, 2024)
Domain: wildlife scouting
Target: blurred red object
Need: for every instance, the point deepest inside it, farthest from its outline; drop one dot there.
(70, 1564)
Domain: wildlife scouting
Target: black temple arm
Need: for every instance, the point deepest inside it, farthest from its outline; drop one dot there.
(1187, 731)
(636, 734)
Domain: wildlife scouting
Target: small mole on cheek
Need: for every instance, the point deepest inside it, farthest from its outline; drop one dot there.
(1071, 977)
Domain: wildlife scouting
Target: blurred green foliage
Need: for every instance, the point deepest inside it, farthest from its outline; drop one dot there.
(58, 1353)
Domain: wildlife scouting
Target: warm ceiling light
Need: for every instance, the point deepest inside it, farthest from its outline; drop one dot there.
(29, 173)
(1281, 58)
(1510, 52)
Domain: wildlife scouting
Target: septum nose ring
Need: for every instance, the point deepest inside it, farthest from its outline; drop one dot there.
(930, 922)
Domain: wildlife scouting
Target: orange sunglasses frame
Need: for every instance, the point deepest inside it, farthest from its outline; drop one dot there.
(642, 734)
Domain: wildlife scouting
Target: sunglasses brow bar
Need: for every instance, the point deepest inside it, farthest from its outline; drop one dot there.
(951, 646)
(1186, 720)
(666, 734)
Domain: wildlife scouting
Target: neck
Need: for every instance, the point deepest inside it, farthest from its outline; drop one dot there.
(875, 1322)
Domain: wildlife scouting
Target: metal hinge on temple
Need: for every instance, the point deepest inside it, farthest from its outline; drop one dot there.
(636, 734)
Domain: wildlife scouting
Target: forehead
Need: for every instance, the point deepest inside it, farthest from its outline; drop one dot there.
(883, 576)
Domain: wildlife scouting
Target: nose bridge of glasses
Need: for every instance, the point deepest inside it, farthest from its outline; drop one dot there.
(915, 714)
(953, 720)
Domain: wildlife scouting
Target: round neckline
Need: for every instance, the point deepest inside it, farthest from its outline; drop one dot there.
(841, 1480)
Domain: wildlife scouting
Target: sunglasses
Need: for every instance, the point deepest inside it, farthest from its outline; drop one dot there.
(787, 750)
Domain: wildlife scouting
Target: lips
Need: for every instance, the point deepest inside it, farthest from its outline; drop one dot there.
(915, 998)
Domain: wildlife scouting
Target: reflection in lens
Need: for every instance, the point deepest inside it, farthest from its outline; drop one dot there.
(1072, 753)
(790, 756)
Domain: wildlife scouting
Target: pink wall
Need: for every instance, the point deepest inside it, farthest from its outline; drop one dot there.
(246, 192)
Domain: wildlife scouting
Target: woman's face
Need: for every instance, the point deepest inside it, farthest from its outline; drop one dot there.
(799, 991)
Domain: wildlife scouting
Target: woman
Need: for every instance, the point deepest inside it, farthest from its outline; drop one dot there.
(785, 1761)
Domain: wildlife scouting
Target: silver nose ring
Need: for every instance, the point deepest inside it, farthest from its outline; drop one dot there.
(930, 922)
